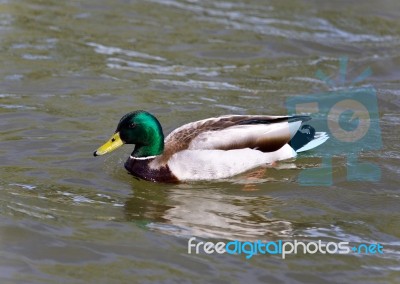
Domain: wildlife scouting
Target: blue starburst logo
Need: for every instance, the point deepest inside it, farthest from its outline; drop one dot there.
(349, 114)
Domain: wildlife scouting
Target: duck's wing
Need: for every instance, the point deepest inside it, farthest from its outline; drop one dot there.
(265, 133)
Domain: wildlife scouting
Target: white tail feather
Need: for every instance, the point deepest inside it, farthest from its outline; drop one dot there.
(319, 138)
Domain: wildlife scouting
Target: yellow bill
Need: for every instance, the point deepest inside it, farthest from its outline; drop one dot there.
(112, 144)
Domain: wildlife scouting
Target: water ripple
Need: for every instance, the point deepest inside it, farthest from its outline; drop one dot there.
(110, 50)
(202, 85)
(310, 28)
(176, 70)
(11, 106)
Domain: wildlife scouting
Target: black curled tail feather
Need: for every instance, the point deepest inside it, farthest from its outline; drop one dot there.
(304, 135)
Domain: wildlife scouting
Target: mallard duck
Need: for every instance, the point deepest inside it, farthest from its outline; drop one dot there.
(212, 148)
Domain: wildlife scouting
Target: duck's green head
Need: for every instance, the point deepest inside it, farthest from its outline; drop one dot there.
(139, 128)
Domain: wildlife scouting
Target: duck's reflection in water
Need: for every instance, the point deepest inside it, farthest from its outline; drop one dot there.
(222, 213)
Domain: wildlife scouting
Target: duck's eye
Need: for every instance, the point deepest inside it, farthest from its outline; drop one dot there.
(132, 125)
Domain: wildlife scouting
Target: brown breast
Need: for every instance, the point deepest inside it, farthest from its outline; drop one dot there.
(140, 168)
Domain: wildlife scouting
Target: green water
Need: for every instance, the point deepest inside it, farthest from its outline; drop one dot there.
(71, 69)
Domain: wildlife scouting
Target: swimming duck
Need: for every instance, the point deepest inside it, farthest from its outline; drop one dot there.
(212, 148)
